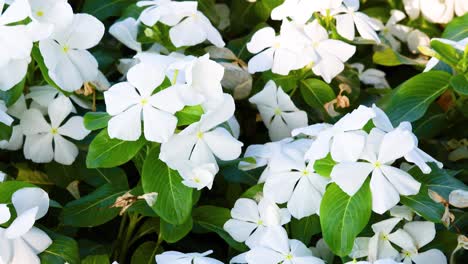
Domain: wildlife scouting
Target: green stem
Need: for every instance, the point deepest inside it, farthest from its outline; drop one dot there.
(134, 219)
(115, 247)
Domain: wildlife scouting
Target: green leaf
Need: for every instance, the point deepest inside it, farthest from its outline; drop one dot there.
(9, 187)
(93, 209)
(389, 57)
(105, 152)
(459, 83)
(145, 253)
(448, 54)
(174, 202)
(212, 218)
(343, 217)
(63, 249)
(103, 9)
(12, 95)
(316, 93)
(439, 180)
(5, 131)
(413, 97)
(305, 228)
(96, 120)
(207, 7)
(173, 233)
(457, 29)
(233, 174)
(96, 259)
(189, 115)
(36, 54)
(324, 166)
(424, 205)
(286, 82)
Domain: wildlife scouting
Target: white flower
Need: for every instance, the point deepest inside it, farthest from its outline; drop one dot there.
(300, 11)
(189, 26)
(392, 31)
(21, 241)
(387, 182)
(280, 156)
(42, 96)
(412, 238)
(126, 31)
(459, 45)
(380, 261)
(301, 188)
(275, 248)
(16, 45)
(416, 155)
(197, 176)
(65, 52)
(402, 211)
(323, 251)
(131, 102)
(379, 245)
(461, 7)
(170, 257)
(279, 114)
(280, 53)
(45, 142)
(15, 142)
(328, 55)
(371, 76)
(250, 221)
(348, 16)
(344, 140)
(416, 39)
(202, 141)
(48, 16)
(459, 198)
(436, 11)
(2, 179)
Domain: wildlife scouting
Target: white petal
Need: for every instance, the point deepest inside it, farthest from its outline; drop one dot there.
(276, 238)
(364, 27)
(328, 67)
(385, 226)
(337, 48)
(27, 198)
(295, 119)
(262, 61)
(384, 195)
(13, 73)
(167, 100)
(65, 151)
(120, 97)
(347, 146)
(403, 182)
(421, 232)
(38, 148)
(356, 119)
(395, 145)
(246, 210)
(284, 61)
(345, 26)
(280, 186)
(37, 239)
(263, 255)
(179, 147)
(305, 200)
(126, 31)
(33, 122)
(85, 32)
(219, 114)
(85, 63)
(74, 128)
(434, 256)
(403, 239)
(42, 94)
(159, 126)
(23, 253)
(223, 144)
(212, 34)
(351, 175)
(146, 78)
(22, 224)
(187, 33)
(58, 110)
(278, 129)
(412, 8)
(126, 125)
(4, 214)
(381, 120)
(239, 230)
(262, 39)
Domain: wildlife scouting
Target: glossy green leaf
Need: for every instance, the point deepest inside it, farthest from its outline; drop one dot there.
(459, 83)
(5, 131)
(447, 53)
(305, 228)
(103, 9)
(96, 120)
(9, 187)
(424, 205)
(189, 115)
(316, 93)
(106, 152)
(173, 233)
(12, 95)
(145, 253)
(324, 166)
(457, 29)
(174, 202)
(343, 217)
(413, 97)
(96, 259)
(63, 249)
(388, 57)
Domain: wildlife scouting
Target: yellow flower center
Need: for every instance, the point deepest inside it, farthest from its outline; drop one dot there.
(66, 48)
(278, 111)
(305, 172)
(197, 180)
(39, 13)
(277, 45)
(407, 253)
(377, 164)
(384, 237)
(199, 135)
(54, 131)
(289, 256)
(260, 222)
(144, 101)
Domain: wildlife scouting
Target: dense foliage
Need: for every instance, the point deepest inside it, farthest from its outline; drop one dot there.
(233, 131)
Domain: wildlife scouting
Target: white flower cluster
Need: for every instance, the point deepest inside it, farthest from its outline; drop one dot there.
(21, 242)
